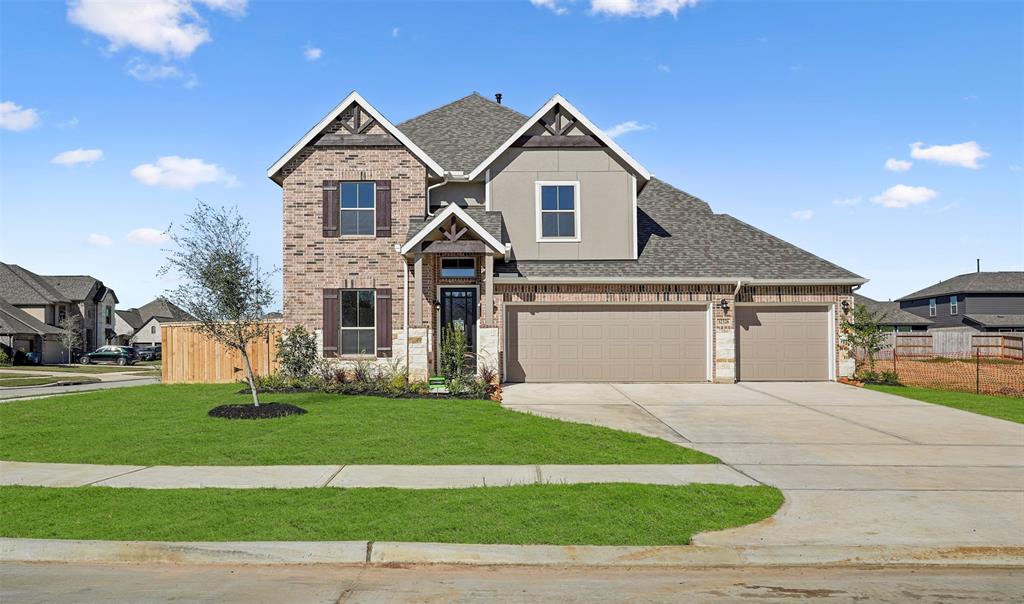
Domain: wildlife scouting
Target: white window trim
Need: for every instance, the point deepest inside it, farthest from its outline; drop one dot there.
(342, 210)
(470, 258)
(577, 210)
(342, 328)
(932, 307)
(954, 306)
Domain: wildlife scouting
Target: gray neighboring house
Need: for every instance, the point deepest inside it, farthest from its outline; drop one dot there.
(20, 331)
(892, 317)
(51, 298)
(979, 301)
(141, 326)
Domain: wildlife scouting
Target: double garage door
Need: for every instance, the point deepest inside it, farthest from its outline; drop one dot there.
(606, 343)
(660, 343)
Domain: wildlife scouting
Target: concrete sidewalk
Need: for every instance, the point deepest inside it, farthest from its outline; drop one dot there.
(353, 476)
(120, 380)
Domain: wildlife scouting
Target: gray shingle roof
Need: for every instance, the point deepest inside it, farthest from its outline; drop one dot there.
(162, 308)
(997, 320)
(75, 287)
(462, 134)
(490, 221)
(890, 312)
(680, 237)
(1002, 282)
(13, 320)
(22, 287)
(131, 317)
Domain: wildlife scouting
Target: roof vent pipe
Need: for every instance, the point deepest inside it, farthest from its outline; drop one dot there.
(979, 265)
(497, 98)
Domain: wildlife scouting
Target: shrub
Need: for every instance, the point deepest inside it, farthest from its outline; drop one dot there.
(453, 353)
(5, 359)
(889, 378)
(296, 352)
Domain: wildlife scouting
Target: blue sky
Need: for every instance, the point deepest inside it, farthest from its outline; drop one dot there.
(781, 114)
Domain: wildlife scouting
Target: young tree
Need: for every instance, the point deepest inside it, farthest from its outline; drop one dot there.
(70, 334)
(864, 333)
(221, 282)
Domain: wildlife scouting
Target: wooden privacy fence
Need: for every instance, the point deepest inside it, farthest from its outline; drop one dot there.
(954, 344)
(191, 357)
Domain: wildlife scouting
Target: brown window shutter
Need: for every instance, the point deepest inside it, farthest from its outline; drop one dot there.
(383, 208)
(332, 314)
(384, 322)
(332, 211)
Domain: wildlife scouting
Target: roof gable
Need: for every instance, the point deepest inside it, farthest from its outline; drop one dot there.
(586, 125)
(13, 320)
(356, 98)
(890, 313)
(453, 212)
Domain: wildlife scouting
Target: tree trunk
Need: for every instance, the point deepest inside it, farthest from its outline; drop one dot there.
(248, 374)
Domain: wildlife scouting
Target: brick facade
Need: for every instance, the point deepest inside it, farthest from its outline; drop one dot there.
(313, 262)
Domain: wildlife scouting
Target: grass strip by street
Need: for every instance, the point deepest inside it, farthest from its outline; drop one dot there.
(1001, 407)
(9, 382)
(584, 514)
(168, 425)
(85, 368)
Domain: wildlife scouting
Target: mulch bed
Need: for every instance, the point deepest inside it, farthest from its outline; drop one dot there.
(264, 411)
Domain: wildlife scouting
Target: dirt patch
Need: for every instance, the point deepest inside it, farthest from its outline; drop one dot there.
(264, 411)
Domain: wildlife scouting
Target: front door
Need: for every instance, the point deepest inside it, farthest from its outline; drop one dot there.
(458, 306)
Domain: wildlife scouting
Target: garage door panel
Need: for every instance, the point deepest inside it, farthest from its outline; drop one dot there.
(607, 343)
(782, 343)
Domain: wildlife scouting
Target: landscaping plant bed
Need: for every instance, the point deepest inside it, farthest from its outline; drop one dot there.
(264, 411)
(378, 393)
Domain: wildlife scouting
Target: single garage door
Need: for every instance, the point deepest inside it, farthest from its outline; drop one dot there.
(606, 343)
(782, 343)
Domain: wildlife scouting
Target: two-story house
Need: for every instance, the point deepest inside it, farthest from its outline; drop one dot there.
(979, 301)
(141, 326)
(49, 299)
(562, 255)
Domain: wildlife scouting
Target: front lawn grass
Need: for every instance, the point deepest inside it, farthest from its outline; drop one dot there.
(168, 425)
(85, 368)
(1001, 407)
(583, 514)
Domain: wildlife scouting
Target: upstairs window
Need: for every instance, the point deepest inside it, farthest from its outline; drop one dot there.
(458, 267)
(931, 307)
(558, 215)
(358, 316)
(357, 208)
(953, 306)
(110, 314)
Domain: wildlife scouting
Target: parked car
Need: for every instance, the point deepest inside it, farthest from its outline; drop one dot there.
(149, 353)
(120, 355)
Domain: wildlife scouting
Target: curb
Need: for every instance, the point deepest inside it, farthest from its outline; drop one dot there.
(391, 553)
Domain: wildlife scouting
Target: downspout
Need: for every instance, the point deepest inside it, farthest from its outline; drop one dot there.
(432, 187)
(405, 306)
(735, 292)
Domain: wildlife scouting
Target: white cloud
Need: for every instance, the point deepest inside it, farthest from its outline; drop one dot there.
(147, 236)
(664, 68)
(17, 118)
(164, 27)
(395, 32)
(554, 6)
(625, 128)
(639, 8)
(961, 154)
(97, 240)
(77, 156)
(1016, 168)
(902, 196)
(897, 165)
(802, 215)
(312, 53)
(176, 172)
(71, 123)
(848, 201)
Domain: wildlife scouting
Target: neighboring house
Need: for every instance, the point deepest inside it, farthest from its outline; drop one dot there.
(141, 326)
(564, 258)
(979, 301)
(891, 316)
(51, 298)
(20, 331)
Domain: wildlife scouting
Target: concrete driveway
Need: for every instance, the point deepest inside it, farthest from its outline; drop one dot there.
(858, 467)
